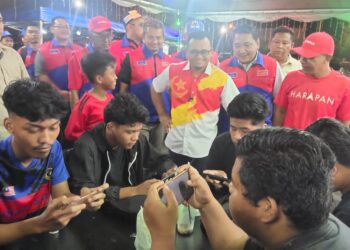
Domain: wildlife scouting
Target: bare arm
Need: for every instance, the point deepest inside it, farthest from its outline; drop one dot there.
(278, 116)
(73, 98)
(346, 123)
(157, 100)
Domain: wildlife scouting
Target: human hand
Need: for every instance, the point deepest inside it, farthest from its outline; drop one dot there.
(142, 189)
(160, 218)
(216, 183)
(58, 214)
(202, 195)
(169, 172)
(94, 202)
(166, 122)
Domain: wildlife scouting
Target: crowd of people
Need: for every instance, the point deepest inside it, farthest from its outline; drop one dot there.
(275, 128)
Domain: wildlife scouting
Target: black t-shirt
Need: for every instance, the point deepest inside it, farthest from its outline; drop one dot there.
(222, 154)
(342, 211)
(332, 235)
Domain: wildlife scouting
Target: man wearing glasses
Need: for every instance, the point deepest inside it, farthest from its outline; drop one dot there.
(100, 37)
(251, 70)
(197, 89)
(51, 61)
(130, 41)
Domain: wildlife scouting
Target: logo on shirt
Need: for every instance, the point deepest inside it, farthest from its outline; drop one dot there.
(9, 191)
(233, 74)
(312, 97)
(262, 72)
(54, 51)
(178, 87)
(143, 62)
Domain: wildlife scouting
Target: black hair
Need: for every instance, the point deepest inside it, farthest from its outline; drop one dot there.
(153, 23)
(335, 135)
(283, 29)
(246, 29)
(125, 109)
(35, 101)
(96, 63)
(249, 106)
(53, 20)
(292, 167)
(199, 35)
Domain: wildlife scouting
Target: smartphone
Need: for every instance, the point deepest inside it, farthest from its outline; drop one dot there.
(83, 199)
(217, 178)
(178, 184)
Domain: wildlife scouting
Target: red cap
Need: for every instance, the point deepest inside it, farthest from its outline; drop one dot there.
(318, 43)
(99, 24)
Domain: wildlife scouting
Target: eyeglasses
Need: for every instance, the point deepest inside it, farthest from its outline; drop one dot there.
(203, 53)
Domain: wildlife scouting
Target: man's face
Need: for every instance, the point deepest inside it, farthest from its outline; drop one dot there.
(313, 65)
(243, 212)
(280, 46)
(124, 136)
(32, 139)
(154, 39)
(245, 47)
(32, 35)
(60, 29)
(7, 41)
(241, 127)
(199, 53)
(1, 25)
(101, 40)
(135, 28)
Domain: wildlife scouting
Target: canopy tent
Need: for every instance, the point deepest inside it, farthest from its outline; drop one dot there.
(46, 14)
(256, 10)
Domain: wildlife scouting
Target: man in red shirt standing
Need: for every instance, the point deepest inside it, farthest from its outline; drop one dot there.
(132, 39)
(100, 37)
(316, 91)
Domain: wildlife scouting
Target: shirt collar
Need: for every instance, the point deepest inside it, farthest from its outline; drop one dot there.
(259, 60)
(149, 54)
(128, 43)
(207, 70)
(56, 44)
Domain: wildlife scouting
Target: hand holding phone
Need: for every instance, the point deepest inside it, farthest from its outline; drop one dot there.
(178, 184)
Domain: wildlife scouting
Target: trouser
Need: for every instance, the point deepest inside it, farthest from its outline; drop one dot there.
(155, 134)
(180, 159)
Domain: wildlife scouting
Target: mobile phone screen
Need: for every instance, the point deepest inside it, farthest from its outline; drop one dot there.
(178, 184)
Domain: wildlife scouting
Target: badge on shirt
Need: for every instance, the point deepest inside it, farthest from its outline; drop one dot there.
(143, 62)
(48, 173)
(233, 74)
(54, 51)
(9, 191)
(262, 72)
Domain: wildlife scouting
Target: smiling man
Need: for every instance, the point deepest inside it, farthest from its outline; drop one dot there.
(316, 91)
(197, 89)
(137, 72)
(115, 152)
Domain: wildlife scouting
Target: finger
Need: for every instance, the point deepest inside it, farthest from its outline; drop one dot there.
(170, 197)
(103, 187)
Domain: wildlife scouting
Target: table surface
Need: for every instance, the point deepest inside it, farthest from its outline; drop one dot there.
(96, 231)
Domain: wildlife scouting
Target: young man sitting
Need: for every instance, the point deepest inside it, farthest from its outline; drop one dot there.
(32, 167)
(248, 112)
(337, 137)
(280, 198)
(116, 152)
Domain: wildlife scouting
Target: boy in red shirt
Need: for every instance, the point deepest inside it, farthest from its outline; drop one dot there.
(99, 67)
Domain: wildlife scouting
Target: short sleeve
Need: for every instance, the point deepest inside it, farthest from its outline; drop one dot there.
(59, 172)
(343, 112)
(278, 80)
(229, 92)
(162, 82)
